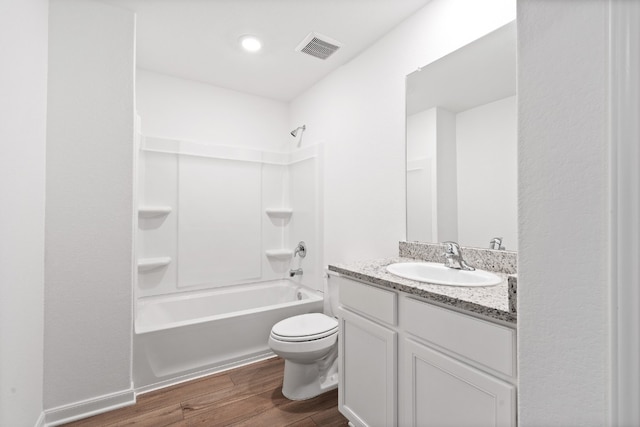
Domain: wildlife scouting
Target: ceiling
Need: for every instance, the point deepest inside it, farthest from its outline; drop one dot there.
(198, 39)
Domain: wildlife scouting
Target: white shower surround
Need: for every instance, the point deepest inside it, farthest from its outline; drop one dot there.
(217, 224)
(186, 327)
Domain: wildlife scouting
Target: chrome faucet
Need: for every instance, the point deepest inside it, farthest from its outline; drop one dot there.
(296, 272)
(301, 249)
(453, 257)
(496, 243)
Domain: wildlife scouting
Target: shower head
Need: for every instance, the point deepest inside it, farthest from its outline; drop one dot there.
(294, 132)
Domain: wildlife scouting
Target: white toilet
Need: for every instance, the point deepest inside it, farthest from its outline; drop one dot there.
(308, 343)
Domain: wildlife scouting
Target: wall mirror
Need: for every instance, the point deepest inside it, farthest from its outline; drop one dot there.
(462, 145)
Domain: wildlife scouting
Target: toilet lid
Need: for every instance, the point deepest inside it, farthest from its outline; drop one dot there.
(305, 327)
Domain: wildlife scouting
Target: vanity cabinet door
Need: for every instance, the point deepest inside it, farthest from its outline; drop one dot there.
(367, 369)
(444, 392)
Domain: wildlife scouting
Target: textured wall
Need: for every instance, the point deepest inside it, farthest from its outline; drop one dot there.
(23, 92)
(171, 107)
(88, 231)
(563, 213)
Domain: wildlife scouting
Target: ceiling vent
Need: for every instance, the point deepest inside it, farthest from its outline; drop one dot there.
(318, 45)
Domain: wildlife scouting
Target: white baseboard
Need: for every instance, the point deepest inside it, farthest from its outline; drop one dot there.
(40, 420)
(87, 408)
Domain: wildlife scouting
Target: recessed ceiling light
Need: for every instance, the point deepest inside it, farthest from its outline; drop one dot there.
(250, 43)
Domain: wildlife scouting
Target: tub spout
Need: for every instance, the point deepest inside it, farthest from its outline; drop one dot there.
(296, 272)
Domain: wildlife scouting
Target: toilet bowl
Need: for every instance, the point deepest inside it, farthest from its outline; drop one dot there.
(308, 343)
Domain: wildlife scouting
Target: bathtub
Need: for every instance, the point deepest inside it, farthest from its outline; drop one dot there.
(185, 336)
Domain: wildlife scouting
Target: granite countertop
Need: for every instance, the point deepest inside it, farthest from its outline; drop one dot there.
(497, 302)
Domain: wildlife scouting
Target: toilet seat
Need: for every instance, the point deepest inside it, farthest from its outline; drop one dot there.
(305, 327)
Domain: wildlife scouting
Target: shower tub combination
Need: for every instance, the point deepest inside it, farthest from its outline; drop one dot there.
(181, 337)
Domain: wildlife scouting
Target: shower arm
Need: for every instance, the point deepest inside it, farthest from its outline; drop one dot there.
(294, 132)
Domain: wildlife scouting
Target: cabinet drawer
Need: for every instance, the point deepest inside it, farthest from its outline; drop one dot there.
(374, 302)
(486, 343)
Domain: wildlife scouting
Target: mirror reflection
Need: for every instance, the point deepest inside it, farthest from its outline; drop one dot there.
(461, 145)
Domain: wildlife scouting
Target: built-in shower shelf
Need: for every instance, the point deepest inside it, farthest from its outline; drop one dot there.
(279, 254)
(283, 213)
(147, 264)
(153, 211)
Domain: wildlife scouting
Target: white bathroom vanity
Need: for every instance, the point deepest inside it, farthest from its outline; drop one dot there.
(413, 354)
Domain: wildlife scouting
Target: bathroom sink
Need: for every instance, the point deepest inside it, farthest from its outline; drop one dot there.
(438, 274)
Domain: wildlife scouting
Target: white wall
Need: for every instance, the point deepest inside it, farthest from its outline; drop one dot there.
(432, 183)
(172, 107)
(421, 178)
(447, 179)
(89, 228)
(358, 111)
(486, 139)
(23, 49)
(563, 213)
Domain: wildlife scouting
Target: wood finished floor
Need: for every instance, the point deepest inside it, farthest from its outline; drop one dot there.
(246, 396)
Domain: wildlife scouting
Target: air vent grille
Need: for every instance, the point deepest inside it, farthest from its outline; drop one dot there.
(318, 45)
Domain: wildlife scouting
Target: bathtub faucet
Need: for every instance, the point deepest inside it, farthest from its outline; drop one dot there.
(296, 272)
(301, 250)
